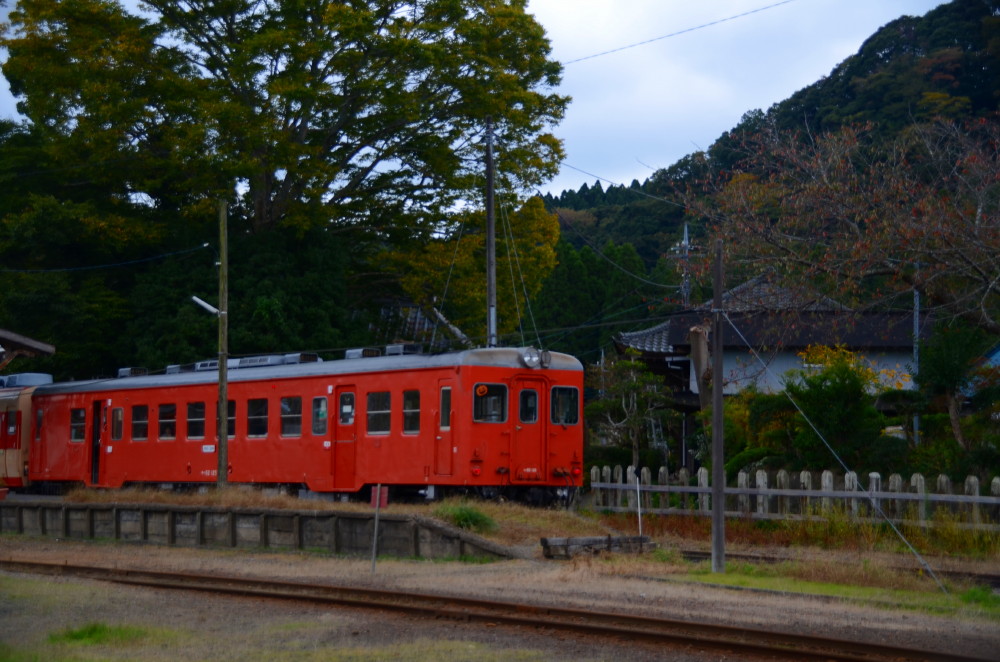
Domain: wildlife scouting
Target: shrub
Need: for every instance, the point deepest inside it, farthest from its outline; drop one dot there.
(466, 517)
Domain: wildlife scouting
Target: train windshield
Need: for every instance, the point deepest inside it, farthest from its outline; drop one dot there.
(565, 405)
(490, 404)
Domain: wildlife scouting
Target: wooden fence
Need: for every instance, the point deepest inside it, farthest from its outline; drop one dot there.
(785, 495)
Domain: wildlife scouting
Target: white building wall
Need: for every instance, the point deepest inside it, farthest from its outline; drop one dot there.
(742, 369)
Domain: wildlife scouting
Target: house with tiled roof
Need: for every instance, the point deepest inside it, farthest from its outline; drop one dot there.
(766, 325)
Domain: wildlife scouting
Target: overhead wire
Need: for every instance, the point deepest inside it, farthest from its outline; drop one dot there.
(114, 265)
(679, 32)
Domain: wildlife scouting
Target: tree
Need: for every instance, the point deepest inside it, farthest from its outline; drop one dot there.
(450, 273)
(837, 401)
(871, 220)
(365, 112)
(630, 397)
(947, 369)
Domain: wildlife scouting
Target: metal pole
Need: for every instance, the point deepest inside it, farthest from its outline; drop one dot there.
(222, 471)
(378, 508)
(916, 350)
(491, 248)
(718, 460)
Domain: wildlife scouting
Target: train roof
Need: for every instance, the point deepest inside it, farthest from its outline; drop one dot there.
(502, 357)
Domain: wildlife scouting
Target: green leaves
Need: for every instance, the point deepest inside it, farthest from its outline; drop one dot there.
(318, 111)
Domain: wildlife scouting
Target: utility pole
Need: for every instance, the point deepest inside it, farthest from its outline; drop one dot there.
(718, 466)
(491, 245)
(222, 477)
(916, 348)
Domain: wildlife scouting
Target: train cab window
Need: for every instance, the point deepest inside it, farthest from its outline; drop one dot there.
(346, 408)
(528, 406)
(12, 424)
(319, 416)
(77, 424)
(166, 421)
(140, 422)
(257, 417)
(291, 417)
(117, 423)
(445, 417)
(490, 403)
(39, 417)
(565, 405)
(379, 412)
(411, 412)
(196, 420)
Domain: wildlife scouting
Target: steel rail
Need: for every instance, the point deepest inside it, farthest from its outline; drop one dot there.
(703, 636)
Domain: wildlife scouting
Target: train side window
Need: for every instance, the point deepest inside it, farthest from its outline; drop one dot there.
(379, 412)
(445, 422)
(77, 424)
(12, 424)
(166, 421)
(196, 420)
(319, 415)
(140, 422)
(257, 417)
(39, 417)
(490, 403)
(528, 406)
(346, 408)
(411, 412)
(565, 405)
(291, 417)
(117, 423)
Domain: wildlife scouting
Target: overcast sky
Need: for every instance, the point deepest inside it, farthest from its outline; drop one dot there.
(643, 108)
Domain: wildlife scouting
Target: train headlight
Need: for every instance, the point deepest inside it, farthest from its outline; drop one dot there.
(535, 358)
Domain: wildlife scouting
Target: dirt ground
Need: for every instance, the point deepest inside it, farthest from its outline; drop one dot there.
(196, 627)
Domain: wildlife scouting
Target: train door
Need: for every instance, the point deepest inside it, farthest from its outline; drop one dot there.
(444, 455)
(345, 442)
(96, 425)
(527, 457)
(9, 428)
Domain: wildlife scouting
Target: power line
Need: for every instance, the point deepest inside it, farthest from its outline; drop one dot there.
(162, 256)
(679, 32)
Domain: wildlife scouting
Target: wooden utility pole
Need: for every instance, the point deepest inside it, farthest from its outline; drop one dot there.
(222, 477)
(718, 459)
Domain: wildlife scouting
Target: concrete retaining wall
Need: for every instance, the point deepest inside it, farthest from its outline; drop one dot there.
(346, 533)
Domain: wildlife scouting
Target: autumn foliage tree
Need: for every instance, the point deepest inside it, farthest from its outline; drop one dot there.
(447, 272)
(872, 219)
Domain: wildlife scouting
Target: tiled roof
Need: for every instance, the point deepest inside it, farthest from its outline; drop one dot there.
(767, 314)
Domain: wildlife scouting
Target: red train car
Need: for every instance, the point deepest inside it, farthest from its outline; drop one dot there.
(15, 426)
(486, 420)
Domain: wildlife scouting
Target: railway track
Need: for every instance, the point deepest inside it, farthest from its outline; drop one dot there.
(703, 636)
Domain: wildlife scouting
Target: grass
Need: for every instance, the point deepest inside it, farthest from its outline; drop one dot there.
(94, 634)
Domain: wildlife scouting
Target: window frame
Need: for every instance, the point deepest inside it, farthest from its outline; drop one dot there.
(482, 412)
(257, 421)
(117, 423)
(291, 422)
(135, 422)
(163, 423)
(379, 415)
(78, 425)
(556, 400)
(320, 415)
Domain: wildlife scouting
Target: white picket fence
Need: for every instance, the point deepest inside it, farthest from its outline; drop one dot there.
(784, 495)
